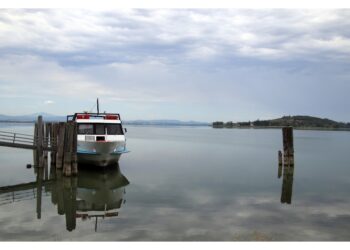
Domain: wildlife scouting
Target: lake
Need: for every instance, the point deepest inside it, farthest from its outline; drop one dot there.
(185, 184)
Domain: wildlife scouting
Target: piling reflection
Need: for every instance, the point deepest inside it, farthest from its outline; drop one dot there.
(287, 185)
(92, 194)
(288, 177)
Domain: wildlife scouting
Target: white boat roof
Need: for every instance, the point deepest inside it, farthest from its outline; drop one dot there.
(97, 121)
(112, 118)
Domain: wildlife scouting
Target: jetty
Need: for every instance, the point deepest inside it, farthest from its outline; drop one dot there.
(58, 138)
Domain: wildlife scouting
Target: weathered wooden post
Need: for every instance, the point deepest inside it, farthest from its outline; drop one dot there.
(40, 140)
(288, 147)
(47, 134)
(40, 133)
(35, 151)
(280, 164)
(45, 152)
(60, 145)
(74, 150)
(70, 165)
(35, 139)
(53, 142)
(68, 146)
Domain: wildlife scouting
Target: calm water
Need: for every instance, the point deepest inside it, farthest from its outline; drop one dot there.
(185, 184)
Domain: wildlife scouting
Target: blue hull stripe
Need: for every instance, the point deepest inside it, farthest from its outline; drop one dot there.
(80, 151)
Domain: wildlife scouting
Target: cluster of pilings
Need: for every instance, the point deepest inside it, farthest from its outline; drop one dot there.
(59, 138)
(287, 162)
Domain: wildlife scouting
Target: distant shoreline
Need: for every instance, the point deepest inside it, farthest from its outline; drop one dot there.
(300, 122)
(296, 128)
(203, 125)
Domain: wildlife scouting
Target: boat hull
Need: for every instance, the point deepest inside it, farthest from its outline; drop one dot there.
(100, 153)
(101, 160)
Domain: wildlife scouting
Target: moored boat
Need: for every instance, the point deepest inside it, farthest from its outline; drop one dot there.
(100, 138)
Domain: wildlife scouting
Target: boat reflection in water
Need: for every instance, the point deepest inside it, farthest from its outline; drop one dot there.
(90, 195)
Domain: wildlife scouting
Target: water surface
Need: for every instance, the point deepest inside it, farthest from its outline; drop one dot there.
(186, 184)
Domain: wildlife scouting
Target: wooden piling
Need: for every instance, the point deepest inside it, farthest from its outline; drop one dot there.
(40, 140)
(288, 147)
(68, 146)
(35, 134)
(35, 151)
(60, 145)
(74, 150)
(45, 153)
(70, 165)
(53, 142)
(55, 133)
(40, 133)
(47, 134)
(280, 164)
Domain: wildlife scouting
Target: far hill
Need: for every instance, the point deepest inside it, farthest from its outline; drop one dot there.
(297, 121)
(305, 121)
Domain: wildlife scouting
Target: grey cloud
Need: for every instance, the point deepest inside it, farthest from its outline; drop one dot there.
(266, 34)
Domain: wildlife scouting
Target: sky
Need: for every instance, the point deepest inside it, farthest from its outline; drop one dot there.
(186, 64)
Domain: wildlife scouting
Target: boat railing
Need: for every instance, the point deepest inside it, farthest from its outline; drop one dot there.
(94, 115)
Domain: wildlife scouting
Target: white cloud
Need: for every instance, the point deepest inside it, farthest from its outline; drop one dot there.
(202, 53)
(192, 32)
(48, 102)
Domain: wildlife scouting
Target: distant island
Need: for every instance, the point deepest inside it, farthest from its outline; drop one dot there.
(298, 121)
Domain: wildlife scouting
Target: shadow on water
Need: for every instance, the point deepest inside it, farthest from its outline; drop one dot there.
(91, 195)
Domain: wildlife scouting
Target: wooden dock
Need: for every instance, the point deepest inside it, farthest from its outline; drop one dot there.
(59, 138)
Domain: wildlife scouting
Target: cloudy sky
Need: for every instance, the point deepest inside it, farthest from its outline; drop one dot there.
(188, 64)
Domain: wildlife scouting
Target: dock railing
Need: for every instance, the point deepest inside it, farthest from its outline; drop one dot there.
(19, 140)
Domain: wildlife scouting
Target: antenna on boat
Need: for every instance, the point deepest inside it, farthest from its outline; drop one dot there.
(98, 108)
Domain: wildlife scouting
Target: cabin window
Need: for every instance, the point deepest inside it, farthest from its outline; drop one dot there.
(114, 129)
(100, 129)
(86, 129)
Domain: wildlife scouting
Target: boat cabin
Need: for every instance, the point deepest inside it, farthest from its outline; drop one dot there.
(97, 127)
